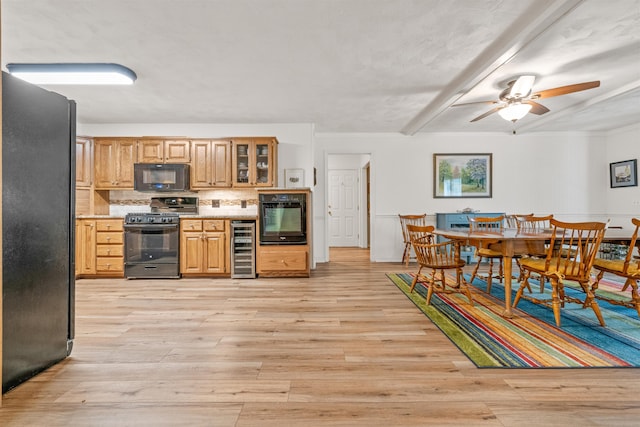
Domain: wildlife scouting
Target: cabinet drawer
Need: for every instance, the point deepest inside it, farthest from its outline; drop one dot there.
(191, 224)
(110, 264)
(285, 261)
(109, 250)
(213, 224)
(109, 238)
(109, 225)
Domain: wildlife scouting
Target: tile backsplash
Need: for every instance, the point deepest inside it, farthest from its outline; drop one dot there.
(230, 201)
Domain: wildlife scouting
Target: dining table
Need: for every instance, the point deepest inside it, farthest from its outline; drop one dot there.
(512, 242)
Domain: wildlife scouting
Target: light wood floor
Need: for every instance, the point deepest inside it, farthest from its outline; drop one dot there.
(343, 348)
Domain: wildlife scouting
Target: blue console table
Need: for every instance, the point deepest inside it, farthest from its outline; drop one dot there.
(461, 221)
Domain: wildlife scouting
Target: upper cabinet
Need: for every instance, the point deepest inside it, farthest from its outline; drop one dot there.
(84, 161)
(215, 163)
(164, 151)
(254, 162)
(113, 163)
(210, 163)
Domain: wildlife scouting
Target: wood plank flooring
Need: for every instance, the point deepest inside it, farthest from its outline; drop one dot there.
(342, 348)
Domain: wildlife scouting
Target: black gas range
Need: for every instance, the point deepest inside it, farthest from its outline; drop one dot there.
(152, 239)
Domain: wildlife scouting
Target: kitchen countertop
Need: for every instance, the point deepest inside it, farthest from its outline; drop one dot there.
(188, 216)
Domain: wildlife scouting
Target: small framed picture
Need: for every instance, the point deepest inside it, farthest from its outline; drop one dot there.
(294, 178)
(623, 174)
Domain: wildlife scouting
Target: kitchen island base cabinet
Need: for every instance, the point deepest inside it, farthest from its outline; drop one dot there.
(283, 261)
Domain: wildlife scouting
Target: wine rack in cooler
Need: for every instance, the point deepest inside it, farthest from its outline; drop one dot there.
(243, 252)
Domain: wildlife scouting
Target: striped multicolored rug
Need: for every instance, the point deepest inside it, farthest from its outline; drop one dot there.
(530, 339)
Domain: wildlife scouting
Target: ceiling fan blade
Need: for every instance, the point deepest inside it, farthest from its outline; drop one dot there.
(563, 90)
(536, 108)
(488, 113)
(522, 87)
(475, 103)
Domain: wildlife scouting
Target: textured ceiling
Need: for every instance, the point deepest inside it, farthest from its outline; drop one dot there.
(345, 65)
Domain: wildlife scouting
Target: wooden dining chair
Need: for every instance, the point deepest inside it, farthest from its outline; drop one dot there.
(536, 249)
(487, 250)
(513, 220)
(627, 268)
(405, 220)
(570, 256)
(438, 258)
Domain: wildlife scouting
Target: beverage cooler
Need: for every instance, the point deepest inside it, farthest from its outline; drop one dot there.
(243, 249)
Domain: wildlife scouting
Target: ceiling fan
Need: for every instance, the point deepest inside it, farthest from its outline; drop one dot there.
(517, 100)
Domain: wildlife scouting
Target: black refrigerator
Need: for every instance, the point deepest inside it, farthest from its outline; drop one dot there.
(38, 188)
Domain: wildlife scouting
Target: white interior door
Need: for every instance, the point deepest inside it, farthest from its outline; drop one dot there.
(343, 209)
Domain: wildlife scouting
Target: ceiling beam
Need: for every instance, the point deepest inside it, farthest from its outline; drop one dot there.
(541, 16)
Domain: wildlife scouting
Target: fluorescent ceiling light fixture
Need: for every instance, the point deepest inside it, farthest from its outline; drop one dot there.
(514, 111)
(73, 73)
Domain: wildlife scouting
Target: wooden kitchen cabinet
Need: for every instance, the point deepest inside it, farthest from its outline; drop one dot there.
(204, 247)
(85, 255)
(283, 261)
(84, 161)
(210, 163)
(164, 151)
(113, 163)
(110, 247)
(100, 247)
(254, 162)
(89, 201)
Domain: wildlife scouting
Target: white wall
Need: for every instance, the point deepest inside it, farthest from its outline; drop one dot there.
(559, 173)
(622, 203)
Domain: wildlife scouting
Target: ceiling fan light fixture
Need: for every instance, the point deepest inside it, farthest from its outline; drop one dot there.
(514, 112)
(73, 73)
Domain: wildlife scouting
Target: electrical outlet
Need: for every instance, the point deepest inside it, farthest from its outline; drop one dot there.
(215, 203)
(243, 204)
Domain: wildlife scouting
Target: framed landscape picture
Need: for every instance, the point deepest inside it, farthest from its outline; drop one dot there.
(462, 175)
(623, 174)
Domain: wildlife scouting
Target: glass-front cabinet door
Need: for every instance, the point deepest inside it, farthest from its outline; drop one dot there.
(253, 162)
(263, 164)
(241, 162)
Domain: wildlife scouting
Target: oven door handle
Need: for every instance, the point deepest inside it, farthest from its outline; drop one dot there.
(150, 226)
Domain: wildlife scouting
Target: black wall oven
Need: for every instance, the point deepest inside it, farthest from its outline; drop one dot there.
(283, 219)
(152, 245)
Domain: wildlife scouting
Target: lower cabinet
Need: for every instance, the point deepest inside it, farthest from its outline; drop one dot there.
(204, 247)
(110, 247)
(283, 261)
(85, 255)
(100, 247)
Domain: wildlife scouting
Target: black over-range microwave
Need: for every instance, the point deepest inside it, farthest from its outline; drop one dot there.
(161, 176)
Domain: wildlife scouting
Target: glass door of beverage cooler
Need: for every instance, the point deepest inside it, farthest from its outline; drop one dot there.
(243, 258)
